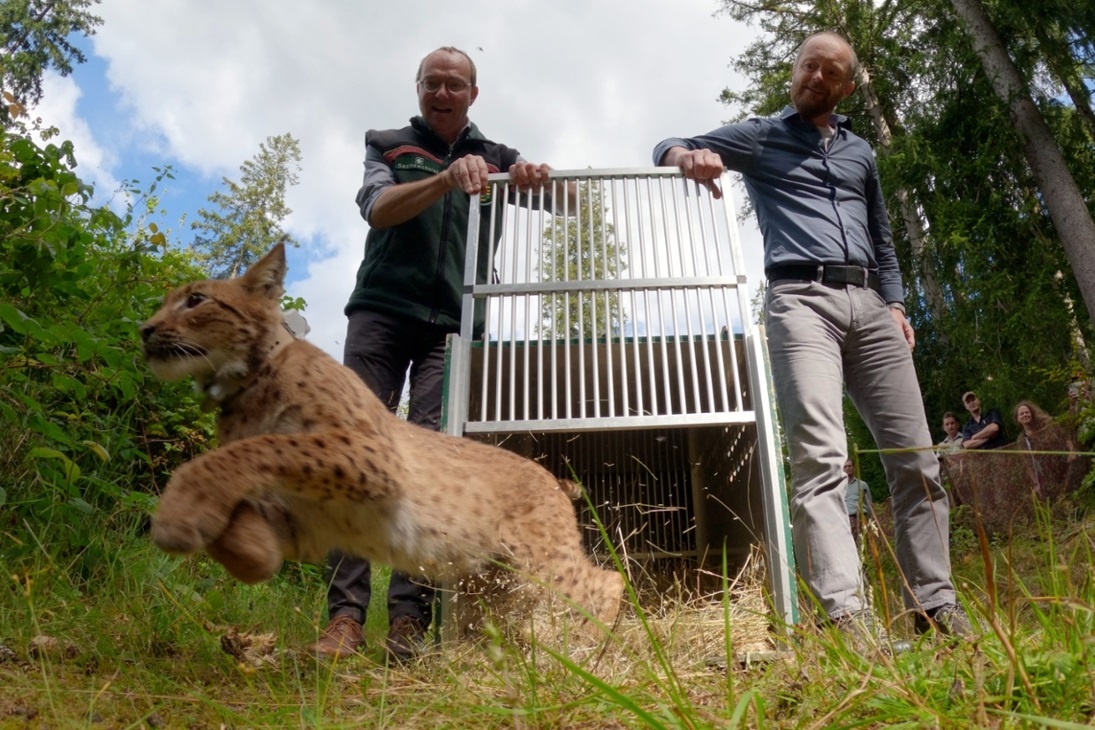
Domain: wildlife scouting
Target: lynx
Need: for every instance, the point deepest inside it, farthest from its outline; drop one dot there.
(310, 460)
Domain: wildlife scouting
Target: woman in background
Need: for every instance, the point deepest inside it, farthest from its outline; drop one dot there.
(1040, 433)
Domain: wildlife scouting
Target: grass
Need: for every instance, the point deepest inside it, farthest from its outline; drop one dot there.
(140, 639)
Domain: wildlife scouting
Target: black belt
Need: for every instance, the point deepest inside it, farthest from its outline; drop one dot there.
(837, 274)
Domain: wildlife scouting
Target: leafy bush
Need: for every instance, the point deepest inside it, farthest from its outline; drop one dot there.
(84, 434)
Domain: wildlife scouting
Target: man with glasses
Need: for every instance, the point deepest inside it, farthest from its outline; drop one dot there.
(415, 197)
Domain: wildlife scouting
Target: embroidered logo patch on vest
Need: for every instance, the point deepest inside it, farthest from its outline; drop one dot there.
(416, 162)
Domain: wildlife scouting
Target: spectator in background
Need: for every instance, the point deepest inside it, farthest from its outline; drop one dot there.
(1049, 473)
(983, 430)
(1079, 394)
(1031, 420)
(857, 498)
(1081, 425)
(952, 442)
(1079, 406)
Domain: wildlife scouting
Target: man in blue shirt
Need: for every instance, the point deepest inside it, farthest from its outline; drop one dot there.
(835, 319)
(983, 430)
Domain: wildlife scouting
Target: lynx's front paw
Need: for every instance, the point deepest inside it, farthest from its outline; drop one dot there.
(248, 547)
(188, 518)
(177, 538)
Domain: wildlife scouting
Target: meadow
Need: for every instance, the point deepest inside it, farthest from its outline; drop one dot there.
(123, 636)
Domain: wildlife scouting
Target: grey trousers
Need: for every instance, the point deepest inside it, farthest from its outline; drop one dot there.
(823, 339)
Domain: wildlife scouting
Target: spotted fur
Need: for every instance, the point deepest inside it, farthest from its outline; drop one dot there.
(310, 460)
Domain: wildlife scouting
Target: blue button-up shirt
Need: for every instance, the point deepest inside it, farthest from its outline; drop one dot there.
(816, 204)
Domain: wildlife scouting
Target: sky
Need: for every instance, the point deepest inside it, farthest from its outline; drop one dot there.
(198, 85)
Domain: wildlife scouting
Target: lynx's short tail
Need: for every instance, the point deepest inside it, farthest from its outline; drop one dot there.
(571, 489)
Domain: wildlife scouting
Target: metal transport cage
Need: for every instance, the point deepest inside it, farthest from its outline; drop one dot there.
(610, 338)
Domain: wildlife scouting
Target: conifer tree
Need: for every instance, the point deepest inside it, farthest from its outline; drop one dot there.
(247, 214)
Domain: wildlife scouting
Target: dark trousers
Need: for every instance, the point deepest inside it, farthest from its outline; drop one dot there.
(380, 348)
(853, 523)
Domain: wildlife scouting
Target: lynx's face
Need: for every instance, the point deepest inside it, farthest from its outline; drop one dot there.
(197, 333)
(216, 328)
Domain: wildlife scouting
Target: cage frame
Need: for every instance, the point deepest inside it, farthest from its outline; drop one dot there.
(749, 369)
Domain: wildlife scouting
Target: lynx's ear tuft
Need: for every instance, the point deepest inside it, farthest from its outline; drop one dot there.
(267, 275)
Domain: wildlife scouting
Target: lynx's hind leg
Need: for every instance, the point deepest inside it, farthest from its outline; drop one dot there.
(545, 543)
(563, 577)
(598, 591)
(496, 594)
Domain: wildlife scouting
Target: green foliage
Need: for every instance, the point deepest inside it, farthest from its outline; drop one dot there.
(582, 247)
(35, 36)
(84, 431)
(246, 221)
(1008, 322)
(293, 304)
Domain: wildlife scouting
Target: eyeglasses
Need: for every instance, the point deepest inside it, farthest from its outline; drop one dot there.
(432, 86)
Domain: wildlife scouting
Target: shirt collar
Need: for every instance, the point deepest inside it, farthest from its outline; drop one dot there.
(789, 112)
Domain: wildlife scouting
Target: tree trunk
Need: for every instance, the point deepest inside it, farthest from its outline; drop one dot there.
(910, 214)
(1062, 197)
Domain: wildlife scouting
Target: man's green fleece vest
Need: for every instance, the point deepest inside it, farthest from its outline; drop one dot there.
(416, 269)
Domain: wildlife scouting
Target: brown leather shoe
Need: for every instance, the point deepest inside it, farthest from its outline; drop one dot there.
(406, 637)
(341, 638)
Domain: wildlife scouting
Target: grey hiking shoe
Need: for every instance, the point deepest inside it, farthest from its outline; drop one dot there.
(949, 620)
(864, 634)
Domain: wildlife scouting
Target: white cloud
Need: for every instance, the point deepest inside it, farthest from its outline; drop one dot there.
(572, 83)
(57, 108)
